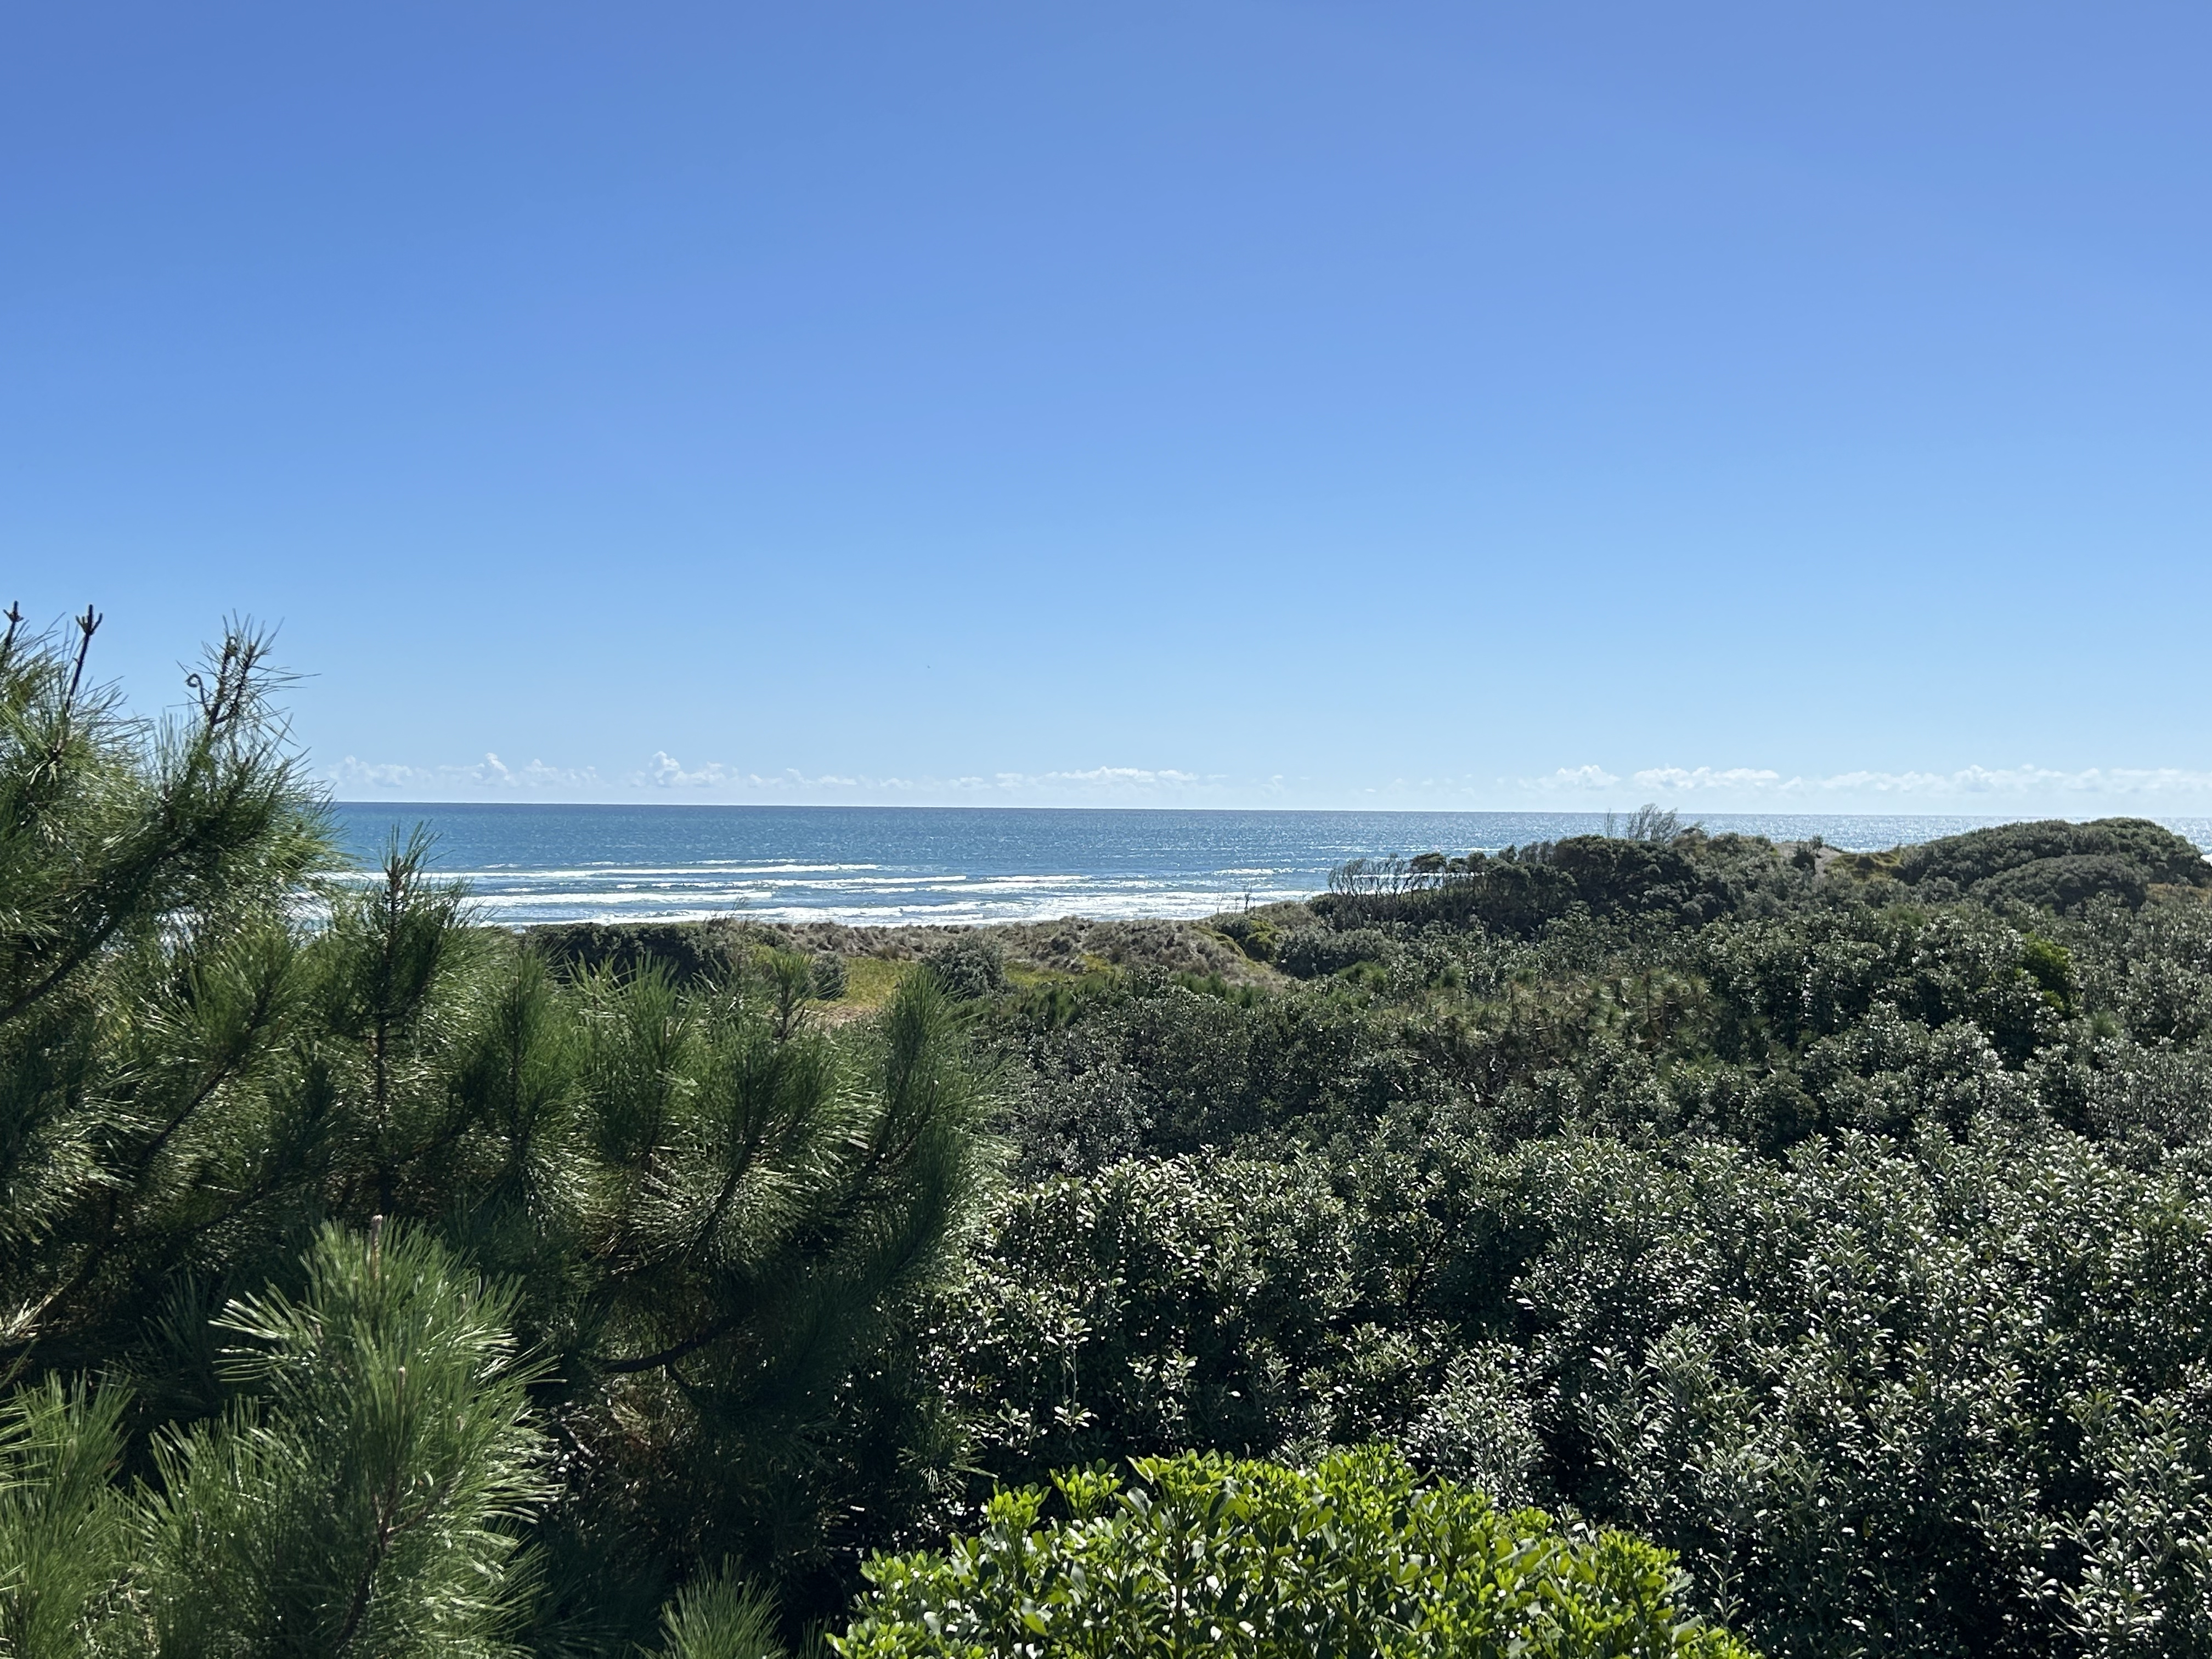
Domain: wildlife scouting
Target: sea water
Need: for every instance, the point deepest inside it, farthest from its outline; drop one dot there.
(531, 863)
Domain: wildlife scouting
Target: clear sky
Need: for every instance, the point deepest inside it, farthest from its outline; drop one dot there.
(1468, 404)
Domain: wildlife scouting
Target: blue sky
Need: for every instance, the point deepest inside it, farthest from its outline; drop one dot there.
(1740, 406)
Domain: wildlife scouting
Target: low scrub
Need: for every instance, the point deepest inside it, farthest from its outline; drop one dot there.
(1210, 1555)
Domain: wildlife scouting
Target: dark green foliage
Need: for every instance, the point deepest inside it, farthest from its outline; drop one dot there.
(1849, 1239)
(2051, 865)
(779, 1223)
(1205, 1556)
(1652, 875)
(66, 1532)
(688, 951)
(1688, 876)
(2156, 854)
(1152, 1064)
(721, 1616)
(1857, 1393)
(367, 1487)
(108, 829)
(365, 1490)
(2067, 884)
(1853, 1391)
(1151, 1307)
(788, 978)
(969, 966)
(1685, 877)
(1315, 952)
(826, 981)
(1508, 893)
(147, 967)
(297, 1167)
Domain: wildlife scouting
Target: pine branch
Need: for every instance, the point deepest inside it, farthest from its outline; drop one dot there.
(668, 1356)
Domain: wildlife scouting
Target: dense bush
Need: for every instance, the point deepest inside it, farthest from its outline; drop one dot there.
(1850, 1241)
(687, 953)
(2152, 853)
(1684, 876)
(1209, 1556)
(969, 966)
(1874, 1389)
(1314, 953)
(2067, 884)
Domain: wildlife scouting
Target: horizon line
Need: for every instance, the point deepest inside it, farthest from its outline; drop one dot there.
(1692, 817)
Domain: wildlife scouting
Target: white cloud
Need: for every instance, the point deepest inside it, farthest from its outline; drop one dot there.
(1676, 781)
(1104, 777)
(1968, 782)
(490, 772)
(2028, 780)
(1571, 778)
(2014, 789)
(665, 771)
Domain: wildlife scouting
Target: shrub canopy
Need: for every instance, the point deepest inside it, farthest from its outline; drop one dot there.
(1211, 1555)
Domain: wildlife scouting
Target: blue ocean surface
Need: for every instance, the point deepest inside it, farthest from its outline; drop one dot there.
(534, 863)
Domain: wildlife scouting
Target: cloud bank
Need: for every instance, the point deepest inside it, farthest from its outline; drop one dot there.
(1967, 781)
(1973, 789)
(667, 776)
(490, 773)
(665, 772)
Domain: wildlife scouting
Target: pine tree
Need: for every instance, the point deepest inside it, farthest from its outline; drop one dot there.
(393, 972)
(65, 1530)
(149, 875)
(707, 1218)
(797, 1197)
(722, 1615)
(367, 1493)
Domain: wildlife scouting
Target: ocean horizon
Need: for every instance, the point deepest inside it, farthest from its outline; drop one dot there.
(526, 863)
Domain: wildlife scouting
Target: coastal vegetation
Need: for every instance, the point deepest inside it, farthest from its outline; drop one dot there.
(1652, 1243)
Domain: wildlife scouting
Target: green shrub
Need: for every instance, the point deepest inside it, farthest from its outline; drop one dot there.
(1209, 1555)
(1683, 875)
(828, 977)
(2050, 865)
(970, 966)
(2052, 967)
(1254, 933)
(688, 951)
(2067, 884)
(1315, 952)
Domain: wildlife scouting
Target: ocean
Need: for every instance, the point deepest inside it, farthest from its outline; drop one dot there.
(530, 863)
